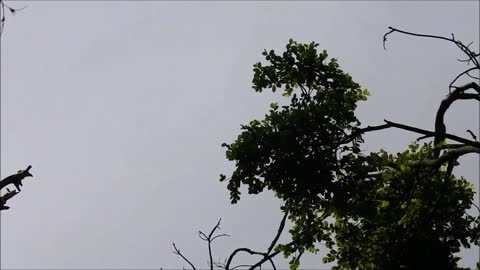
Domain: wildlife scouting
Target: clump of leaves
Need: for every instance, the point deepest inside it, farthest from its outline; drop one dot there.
(292, 151)
(404, 216)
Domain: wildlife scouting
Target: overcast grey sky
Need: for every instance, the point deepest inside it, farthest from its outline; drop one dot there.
(121, 107)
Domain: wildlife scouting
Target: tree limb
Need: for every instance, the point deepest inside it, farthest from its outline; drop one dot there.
(177, 251)
(267, 256)
(465, 49)
(210, 239)
(458, 93)
(7, 196)
(452, 154)
(16, 179)
(390, 124)
(279, 232)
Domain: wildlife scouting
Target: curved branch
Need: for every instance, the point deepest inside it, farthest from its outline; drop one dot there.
(177, 251)
(465, 49)
(267, 256)
(458, 93)
(452, 154)
(246, 250)
(220, 235)
(471, 134)
(450, 86)
(241, 265)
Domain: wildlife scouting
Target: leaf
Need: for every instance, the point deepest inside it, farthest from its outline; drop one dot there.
(274, 105)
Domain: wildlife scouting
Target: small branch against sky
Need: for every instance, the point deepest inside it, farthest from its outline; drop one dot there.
(209, 239)
(4, 7)
(179, 253)
(16, 180)
(268, 255)
(472, 56)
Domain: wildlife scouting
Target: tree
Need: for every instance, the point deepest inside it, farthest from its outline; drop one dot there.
(371, 210)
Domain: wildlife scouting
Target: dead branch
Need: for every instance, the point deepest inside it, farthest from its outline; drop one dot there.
(12, 11)
(426, 133)
(471, 55)
(177, 252)
(472, 134)
(16, 179)
(465, 49)
(267, 256)
(7, 196)
(210, 238)
(457, 94)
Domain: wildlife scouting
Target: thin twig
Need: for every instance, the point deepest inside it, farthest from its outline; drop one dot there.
(177, 252)
(473, 135)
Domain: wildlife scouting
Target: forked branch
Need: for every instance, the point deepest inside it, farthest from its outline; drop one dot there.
(210, 238)
(267, 256)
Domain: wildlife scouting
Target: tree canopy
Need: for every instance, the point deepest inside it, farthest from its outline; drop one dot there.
(375, 210)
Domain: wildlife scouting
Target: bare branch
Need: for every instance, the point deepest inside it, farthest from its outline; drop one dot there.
(210, 238)
(12, 11)
(220, 235)
(457, 94)
(241, 265)
(430, 133)
(468, 86)
(236, 251)
(267, 256)
(476, 206)
(7, 196)
(279, 232)
(177, 252)
(450, 86)
(202, 236)
(412, 34)
(473, 135)
(390, 124)
(16, 179)
(465, 49)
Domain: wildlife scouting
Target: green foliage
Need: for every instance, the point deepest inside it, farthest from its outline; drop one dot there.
(296, 143)
(375, 211)
(407, 215)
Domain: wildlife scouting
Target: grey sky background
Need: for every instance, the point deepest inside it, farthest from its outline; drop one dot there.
(121, 107)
